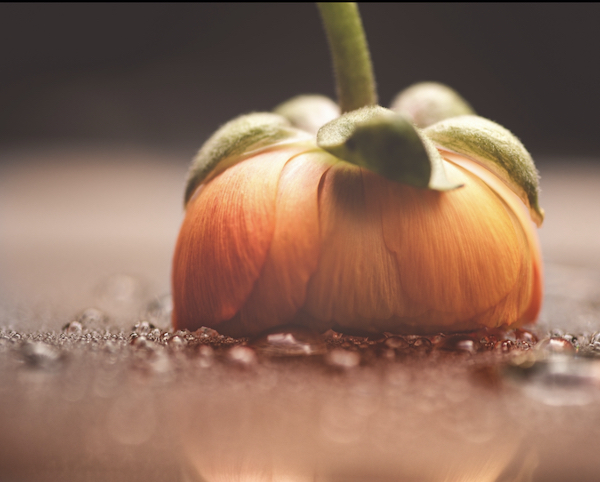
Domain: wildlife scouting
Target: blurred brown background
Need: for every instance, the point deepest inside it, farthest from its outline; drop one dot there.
(168, 74)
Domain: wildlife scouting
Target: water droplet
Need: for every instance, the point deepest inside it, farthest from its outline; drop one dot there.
(73, 328)
(459, 344)
(205, 332)
(142, 327)
(242, 356)
(142, 343)
(342, 358)
(176, 342)
(332, 335)
(93, 319)
(397, 343)
(555, 345)
(39, 354)
(159, 311)
(505, 346)
(421, 344)
(526, 336)
(289, 341)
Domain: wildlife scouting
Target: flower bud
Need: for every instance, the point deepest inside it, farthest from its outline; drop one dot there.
(373, 226)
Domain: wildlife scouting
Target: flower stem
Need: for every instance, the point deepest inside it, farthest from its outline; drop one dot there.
(351, 59)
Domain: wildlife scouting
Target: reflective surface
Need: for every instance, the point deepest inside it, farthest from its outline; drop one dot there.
(95, 386)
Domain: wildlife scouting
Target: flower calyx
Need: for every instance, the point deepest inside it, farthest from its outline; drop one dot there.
(234, 141)
(426, 103)
(388, 144)
(308, 112)
(495, 148)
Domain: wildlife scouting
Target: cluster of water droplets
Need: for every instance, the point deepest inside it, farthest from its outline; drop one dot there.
(92, 329)
(368, 391)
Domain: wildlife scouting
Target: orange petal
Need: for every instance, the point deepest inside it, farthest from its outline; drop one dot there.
(357, 281)
(280, 290)
(521, 211)
(458, 252)
(224, 239)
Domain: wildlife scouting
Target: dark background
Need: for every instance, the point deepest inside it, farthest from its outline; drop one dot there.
(166, 75)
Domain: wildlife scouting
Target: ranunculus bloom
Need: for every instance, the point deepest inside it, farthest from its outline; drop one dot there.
(292, 234)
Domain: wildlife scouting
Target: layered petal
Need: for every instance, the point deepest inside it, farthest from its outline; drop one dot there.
(357, 281)
(225, 238)
(459, 254)
(533, 292)
(280, 290)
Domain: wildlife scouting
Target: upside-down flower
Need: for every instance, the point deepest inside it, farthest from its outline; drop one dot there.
(379, 222)
(279, 230)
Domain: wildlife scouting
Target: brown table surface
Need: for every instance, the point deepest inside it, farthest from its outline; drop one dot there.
(76, 224)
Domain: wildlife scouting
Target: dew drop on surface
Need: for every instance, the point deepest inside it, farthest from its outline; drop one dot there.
(342, 358)
(176, 342)
(154, 334)
(505, 346)
(459, 344)
(73, 328)
(142, 343)
(397, 343)
(242, 356)
(142, 327)
(526, 336)
(39, 354)
(555, 345)
(289, 341)
(92, 319)
(421, 344)
(183, 334)
(332, 335)
(159, 311)
(205, 332)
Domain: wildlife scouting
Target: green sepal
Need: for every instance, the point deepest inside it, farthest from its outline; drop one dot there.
(426, 103)
(308, 112)
(497, 149)
(226, 147)
(388, 144)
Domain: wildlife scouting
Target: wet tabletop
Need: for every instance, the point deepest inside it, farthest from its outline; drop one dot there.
(95, 385)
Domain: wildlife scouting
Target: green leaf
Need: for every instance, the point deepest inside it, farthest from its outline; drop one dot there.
(388, 144)
(497, 149)
(227, 146)
(426, 103)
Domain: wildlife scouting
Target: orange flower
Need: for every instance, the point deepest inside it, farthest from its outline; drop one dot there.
(279, 230)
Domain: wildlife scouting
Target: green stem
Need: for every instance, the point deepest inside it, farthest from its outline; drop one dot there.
(351, 59)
